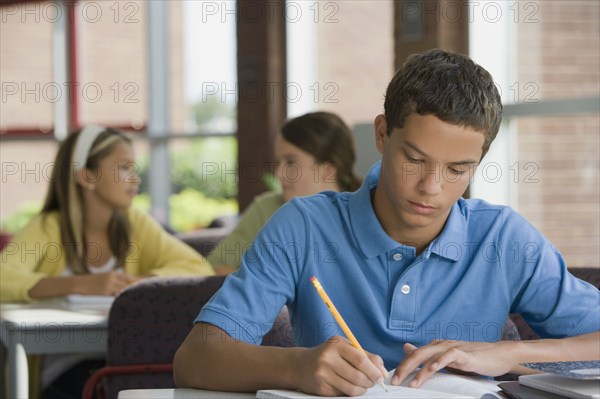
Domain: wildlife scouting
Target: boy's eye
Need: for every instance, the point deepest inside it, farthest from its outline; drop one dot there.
(457, 171)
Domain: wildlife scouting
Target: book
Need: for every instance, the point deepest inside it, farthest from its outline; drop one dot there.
(573, 388)
(440, 385)
(584, 370)
(514, 390)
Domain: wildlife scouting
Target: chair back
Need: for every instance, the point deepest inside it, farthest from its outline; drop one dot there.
(147, 324)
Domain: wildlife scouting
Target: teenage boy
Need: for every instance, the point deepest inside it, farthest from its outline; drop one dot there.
(408, 263)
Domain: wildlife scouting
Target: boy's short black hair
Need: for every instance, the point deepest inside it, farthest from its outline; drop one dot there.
(449, 86)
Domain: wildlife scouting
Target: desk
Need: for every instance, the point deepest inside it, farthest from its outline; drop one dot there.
(180, 393)
(48, 327)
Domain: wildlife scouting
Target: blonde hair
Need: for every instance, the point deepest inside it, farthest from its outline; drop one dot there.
(65, 196)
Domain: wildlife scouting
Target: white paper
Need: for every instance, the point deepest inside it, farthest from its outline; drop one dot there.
(100, 300)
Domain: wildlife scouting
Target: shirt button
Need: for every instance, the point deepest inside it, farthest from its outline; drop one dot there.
(397, 257)
(405, 289)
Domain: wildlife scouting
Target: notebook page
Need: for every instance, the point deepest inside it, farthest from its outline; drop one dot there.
(375, 392)
(90, 300)
(470, 387)
(440, 385)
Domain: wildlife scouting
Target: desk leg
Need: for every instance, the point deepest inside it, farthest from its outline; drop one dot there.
(18, 372)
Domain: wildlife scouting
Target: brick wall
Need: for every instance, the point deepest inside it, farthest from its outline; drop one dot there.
(26, 67)
(356, 54)
(112, 57)
(560, 56)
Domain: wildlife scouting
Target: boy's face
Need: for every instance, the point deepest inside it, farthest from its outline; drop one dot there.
(426, 167)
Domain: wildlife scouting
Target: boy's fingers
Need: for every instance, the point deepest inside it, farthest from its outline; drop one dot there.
(435, 364)
(381, 374)
(417, 356)
(409, 348)
(424, 373)
(384, 372)
(368, 364)
(411, 362)
(378, 361)
(451, 355)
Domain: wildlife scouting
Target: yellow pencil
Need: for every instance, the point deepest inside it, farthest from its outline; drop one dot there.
(338, 318)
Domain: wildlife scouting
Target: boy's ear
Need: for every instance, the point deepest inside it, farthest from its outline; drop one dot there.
(380, 132)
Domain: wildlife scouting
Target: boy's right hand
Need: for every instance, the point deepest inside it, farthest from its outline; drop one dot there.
(337, 368)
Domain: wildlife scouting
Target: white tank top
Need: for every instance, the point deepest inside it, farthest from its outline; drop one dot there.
(105, 268)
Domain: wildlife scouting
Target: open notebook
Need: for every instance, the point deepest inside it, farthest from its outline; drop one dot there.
(440, 385)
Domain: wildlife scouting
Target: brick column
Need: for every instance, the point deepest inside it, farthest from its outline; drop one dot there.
(427, 24)
(261, 91)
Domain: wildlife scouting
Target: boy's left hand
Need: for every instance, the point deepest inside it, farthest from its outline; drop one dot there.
(491, 359)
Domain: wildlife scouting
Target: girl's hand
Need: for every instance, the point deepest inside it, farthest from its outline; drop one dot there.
(111, 283)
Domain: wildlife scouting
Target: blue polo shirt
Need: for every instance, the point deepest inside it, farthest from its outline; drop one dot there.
(488, 261)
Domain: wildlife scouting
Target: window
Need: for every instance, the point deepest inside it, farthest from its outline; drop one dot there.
(546, 161)
(29, 88)
(87, 62)
(340, 58)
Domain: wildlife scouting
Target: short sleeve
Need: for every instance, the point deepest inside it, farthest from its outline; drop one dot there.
(552, 301)
(229, 251)
(250, 299)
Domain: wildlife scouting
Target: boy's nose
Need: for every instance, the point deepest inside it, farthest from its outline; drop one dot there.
(431, 183)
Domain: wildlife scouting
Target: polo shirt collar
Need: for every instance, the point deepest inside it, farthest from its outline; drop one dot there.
(451, 242)
(368, 232)
(372, 239)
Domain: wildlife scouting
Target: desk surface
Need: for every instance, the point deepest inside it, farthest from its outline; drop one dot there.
(48, 327)
(54, 326)
(180, 393)
(27, 315)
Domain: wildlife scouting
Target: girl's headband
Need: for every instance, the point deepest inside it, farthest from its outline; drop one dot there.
(84, 143)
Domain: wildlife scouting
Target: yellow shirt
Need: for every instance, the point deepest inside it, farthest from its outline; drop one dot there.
(37, 252)
(230, 250)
